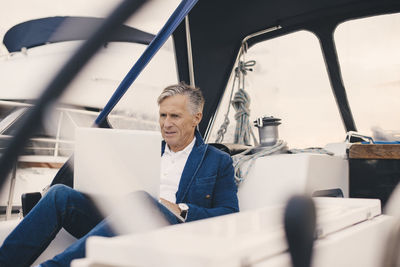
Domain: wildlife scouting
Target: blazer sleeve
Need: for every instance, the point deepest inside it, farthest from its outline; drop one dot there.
(225, 199)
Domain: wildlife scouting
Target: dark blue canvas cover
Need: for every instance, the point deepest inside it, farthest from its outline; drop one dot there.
(58, 29)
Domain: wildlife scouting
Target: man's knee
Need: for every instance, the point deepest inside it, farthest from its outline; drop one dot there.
(59, 189)
(60, 192)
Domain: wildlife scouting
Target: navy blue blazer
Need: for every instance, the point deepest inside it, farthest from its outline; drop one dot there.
(207, 183)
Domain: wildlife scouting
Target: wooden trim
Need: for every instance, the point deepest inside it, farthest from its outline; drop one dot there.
(374, 151)
(52, 165)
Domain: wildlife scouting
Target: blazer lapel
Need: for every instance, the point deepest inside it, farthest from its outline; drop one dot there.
(191, 167)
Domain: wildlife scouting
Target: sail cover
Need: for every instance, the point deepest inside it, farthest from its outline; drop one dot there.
(58, 29)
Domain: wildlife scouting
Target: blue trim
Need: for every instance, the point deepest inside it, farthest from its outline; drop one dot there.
(179, 14)
(383, 142)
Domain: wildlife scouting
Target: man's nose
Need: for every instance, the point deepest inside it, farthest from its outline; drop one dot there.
(167, 121)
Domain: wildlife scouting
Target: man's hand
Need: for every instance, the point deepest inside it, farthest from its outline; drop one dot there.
(174, 208)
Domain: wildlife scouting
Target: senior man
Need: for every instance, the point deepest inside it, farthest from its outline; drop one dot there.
(196, 182)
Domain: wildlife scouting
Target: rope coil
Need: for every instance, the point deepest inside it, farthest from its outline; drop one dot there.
(243, 131)
(241, 103)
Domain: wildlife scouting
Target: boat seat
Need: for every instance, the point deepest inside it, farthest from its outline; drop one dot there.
(28, 201)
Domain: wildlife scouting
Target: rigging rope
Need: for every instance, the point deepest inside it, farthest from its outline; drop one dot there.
(316, 150)
(243, 162)
(241, 103)
(224, 127)
(243, 130)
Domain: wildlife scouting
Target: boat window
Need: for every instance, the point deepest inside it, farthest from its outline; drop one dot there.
(369, 55)
(138, 108)
(289, 82)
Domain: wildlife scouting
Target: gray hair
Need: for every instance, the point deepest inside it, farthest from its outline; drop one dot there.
(196, 99)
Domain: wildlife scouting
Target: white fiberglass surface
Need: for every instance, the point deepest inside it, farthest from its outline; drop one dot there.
(369, 57)
(290, 82)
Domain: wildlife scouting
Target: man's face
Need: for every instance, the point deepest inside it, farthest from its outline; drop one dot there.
(177, 123)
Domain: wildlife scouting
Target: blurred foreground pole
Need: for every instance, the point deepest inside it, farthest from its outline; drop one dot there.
(300, 223)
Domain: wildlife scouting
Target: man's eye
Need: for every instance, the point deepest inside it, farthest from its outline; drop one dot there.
(174, 116)
(162, 115)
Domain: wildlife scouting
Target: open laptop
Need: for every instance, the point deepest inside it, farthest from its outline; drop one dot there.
(110, 164)
(117, 162)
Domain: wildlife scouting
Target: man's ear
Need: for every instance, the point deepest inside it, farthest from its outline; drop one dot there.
(197, 118)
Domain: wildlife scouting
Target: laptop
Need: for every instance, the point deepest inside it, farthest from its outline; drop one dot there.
(109, 164)
(114, 162)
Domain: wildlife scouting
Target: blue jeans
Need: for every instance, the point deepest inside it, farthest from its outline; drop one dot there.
(64, 207)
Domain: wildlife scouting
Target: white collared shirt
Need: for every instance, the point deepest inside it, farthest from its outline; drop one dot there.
(172, 164)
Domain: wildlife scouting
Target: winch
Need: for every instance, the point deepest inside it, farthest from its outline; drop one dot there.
(267, 130)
